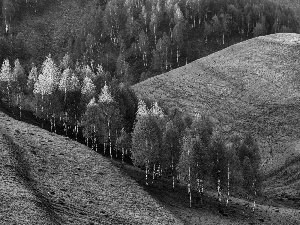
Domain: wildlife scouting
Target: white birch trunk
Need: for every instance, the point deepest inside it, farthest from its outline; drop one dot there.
(153, 175)
(147, 166)
(189, 187)
(173, 174)
(20, 106)
(109, 139)
(218, 182)
(66, 126)
(228, 183)
(123, 156)
(177, 56)
(201, 190)
(104, 145)
(115, 146)
(254, 202)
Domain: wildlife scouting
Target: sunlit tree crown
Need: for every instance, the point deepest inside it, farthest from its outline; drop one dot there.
(65, 78)
(87, 72)
(142, 109)
(5, 74)
(88, 87)
(92, 103)
(105, 95)
(33, 75)
(156, 110)
(48, 79)
(74, 83)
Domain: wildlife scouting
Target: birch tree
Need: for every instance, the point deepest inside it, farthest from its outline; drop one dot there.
(47, 83)
(5, 78)
(219, 165)
(20, 79)
(157, 113)
(145, 142)
(93, 123)
(69, 85)
(186, 163)
(202, 164)
(111, 114)
(171, 147)
(88, 90)
(250, 157)
(123, 143)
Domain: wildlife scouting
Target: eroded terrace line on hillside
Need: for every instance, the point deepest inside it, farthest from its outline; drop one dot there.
(22, 170)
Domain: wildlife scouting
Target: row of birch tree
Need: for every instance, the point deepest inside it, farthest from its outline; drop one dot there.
(191, 150)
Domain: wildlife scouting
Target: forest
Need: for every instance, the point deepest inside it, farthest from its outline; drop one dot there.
(112, 118)
(122, 43)
(136, 39)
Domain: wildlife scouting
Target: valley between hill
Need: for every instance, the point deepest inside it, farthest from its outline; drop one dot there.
(67, 183)
(251, 87)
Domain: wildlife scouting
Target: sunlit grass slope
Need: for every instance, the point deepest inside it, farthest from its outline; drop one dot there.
(252, 87)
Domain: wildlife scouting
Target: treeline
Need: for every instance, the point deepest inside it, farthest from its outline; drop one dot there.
(192, 150)
(164, 141)
(137, 39)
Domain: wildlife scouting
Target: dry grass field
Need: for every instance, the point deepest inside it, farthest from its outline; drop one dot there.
(252, 87)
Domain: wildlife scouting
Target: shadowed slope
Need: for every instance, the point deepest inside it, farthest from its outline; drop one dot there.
(49, 179)
(251, 86)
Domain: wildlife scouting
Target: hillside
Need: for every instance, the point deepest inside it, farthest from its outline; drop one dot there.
(49, 179)
(252, 87)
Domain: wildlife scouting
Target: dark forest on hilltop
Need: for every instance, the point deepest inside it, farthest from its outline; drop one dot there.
(137, 39)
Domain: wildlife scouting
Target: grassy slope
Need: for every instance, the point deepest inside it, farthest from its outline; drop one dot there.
(66, 182)
(251, 86)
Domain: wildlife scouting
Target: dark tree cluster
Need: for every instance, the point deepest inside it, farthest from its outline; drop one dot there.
(191, 149)
(138, 39)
